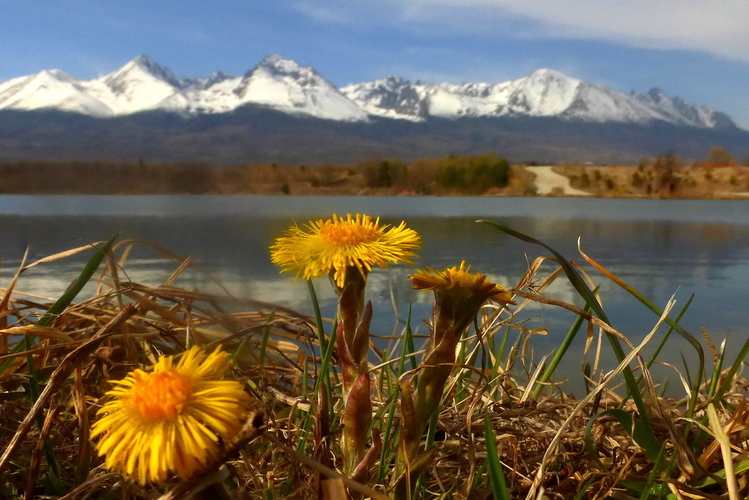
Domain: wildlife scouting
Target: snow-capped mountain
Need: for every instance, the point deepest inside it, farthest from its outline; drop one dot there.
(50, 89)
(287, 86)
(142, 85)
(544, 92)
(283, 85)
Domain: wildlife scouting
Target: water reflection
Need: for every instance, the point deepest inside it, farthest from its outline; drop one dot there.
(651, 246)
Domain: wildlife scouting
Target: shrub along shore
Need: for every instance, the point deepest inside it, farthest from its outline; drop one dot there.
(486, 175)
(326, 414)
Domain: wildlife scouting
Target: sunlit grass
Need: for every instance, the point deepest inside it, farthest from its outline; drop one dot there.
(504, 427)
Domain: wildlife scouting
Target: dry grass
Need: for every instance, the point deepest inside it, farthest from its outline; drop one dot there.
(286, 451)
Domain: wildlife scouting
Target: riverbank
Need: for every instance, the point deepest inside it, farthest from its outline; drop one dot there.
(504, 428)
(487, 175)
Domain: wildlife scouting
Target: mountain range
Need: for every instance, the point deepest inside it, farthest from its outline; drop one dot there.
(528, 116)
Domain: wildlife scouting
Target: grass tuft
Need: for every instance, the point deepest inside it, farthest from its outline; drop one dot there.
(504, 428)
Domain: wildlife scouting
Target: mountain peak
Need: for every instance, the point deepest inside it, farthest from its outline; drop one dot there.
(143, 59)
(283, 84)
(277, 63)
(286, 85)
(656, 95)
(146, 64)
(272, 59)
(57, 74)
(546, 74)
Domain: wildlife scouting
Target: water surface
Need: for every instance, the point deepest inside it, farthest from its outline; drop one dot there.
(661, 247)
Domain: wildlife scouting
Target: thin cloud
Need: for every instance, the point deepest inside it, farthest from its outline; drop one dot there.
(719, 28)
(335, 14)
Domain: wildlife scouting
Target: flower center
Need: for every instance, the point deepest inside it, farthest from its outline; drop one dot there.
(347, 234)
(161, 395)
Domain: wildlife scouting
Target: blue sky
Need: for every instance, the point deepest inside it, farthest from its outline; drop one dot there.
(696, 49)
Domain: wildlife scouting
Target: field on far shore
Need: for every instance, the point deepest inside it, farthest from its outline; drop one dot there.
(659, 178)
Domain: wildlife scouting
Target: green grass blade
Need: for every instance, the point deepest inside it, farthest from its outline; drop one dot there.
(499, 362)
(66, 298)
(266, 336)
(658, 349)
(727, 380)
(668, 333)
(494, 466)
(408, 341)
(53, 478)
(584, 489)
(388, 444)
(322, 383)
(572, 275)
(717, 369)
(650, 484)
(563, 347)
(408, 345)
(268, 494)
(318, 317)
(738, 468)
(431, 432)
(590, 299)
(326, 348)
(478, 477)
(70, 294)
(635, 427)
(502, 346)
(659, 312)
(687, 373)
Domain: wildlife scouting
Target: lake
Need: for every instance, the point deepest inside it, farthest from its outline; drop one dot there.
(661, 247)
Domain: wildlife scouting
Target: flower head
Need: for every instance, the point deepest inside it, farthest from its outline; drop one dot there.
(460, 280)
(170, 419)
(459, 294)
(336, 245)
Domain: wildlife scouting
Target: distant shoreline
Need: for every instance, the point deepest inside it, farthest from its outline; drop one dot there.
(659, 179)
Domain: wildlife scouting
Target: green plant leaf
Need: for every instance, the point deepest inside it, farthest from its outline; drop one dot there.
(494, 466)
(634, 426)
(572, 275)
(66, 298)
(590, 299)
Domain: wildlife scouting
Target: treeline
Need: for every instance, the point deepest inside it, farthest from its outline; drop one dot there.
(459, 174)
(148, 178)
(470, 174)
(109, 178)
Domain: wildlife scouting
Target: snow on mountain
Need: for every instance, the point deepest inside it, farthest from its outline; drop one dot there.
(289, 87)
(284, 85)
(544, 92)
(50, 89)
(143, 85)
(139, 85)
(390, 97)
(680, 111)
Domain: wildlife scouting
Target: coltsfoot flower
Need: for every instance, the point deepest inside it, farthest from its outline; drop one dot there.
(170, 419)
(458, 297)
(335, 245)
(459, 278)
(458, 294)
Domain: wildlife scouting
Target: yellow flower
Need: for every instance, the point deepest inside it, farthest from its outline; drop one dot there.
(458, 296)
(170, 419)
(460, 280)
(334, 245)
